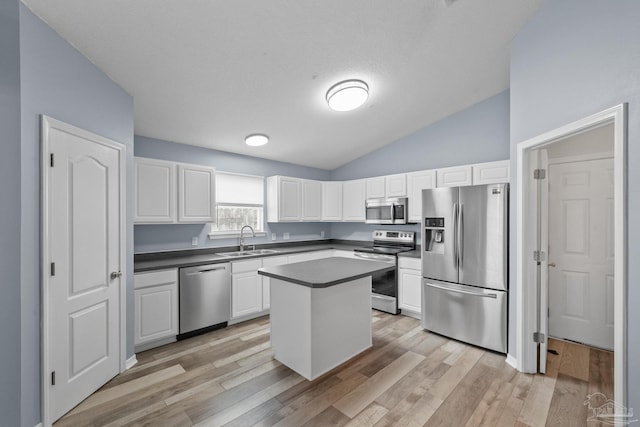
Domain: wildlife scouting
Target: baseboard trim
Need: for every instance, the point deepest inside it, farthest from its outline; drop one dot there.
(512, 361)
(38, 425)
(130, 363)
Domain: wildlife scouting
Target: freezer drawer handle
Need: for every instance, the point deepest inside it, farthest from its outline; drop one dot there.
(193, 273)
(475, 294)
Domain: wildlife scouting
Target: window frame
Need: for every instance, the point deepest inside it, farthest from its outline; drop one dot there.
(214, 233)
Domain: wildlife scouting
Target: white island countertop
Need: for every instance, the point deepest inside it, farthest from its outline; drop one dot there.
(325, 272)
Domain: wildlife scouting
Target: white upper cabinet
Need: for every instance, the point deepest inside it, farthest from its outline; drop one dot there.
(353, 200)
(155, 191)
(196, 193)
(375, 187)
(455, 176)
(284, 199)
(311, 200)
(387, 186)
(491, 172)
(331, 201)
(396, 185)
(416, 182)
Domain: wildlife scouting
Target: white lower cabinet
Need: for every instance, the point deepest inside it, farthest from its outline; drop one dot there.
(410, 286)
(156, 308)
(246, 290)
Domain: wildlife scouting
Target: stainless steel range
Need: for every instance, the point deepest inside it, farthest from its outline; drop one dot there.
(386, 247)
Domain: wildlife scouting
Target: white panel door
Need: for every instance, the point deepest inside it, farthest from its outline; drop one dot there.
(289, 199)
(331, 201)
(84, 229)
(154, 191)
(196, 194)
(353, 200)
(410, 290)
(266, 281)
(416, 182)
(581, 248)
(246, 293)
(375, 187)
(311, 200)
(396, 185)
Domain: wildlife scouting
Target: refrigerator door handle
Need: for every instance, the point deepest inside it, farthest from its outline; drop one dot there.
(460, 228)
(455, 235)
(475, 294)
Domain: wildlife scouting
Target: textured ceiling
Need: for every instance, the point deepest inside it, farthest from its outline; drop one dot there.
(208, 73)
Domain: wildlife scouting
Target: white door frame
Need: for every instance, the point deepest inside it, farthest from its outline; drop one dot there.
(526, 217)
(46, 124)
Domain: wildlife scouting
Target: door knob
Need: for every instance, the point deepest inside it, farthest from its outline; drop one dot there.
(115, 274)
(552, 264)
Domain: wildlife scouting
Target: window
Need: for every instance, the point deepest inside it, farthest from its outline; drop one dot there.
(239, 201)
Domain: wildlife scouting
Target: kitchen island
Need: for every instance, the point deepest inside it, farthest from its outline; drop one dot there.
(321, 312)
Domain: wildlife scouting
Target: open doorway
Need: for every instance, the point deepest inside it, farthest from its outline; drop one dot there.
(571, 238)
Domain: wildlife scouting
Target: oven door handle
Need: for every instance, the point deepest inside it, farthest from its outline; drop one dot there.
(383, 258)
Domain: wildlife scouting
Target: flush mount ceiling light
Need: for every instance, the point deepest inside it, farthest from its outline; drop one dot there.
(256, 139)
(347, 95)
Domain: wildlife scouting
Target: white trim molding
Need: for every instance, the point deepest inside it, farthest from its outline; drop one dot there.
(131, 362)
(526, 318)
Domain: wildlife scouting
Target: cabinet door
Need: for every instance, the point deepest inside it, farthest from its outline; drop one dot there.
(156, 313)
(491, 172)
(196, 194)
(416, 182)
(396, 185)
(311, 200)
(154, 191)
(409, 288)
(246, 294)
(266, 281)
(289, 202)
(375, 187)
(331, 201)
(353, 199)
(455, 176)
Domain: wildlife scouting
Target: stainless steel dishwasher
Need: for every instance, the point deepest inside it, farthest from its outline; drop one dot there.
(205, 298)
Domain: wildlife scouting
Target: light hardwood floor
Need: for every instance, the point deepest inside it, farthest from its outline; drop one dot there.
(409, 377)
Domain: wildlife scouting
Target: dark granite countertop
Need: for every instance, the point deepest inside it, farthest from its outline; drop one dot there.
(190, 258)
(416, 253)
(325, 272)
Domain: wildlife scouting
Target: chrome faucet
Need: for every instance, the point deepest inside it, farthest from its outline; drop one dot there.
(242, 236)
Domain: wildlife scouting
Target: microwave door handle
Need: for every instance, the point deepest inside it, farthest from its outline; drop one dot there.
(393, 212)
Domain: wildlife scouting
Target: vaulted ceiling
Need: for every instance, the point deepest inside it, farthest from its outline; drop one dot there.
(210, 72)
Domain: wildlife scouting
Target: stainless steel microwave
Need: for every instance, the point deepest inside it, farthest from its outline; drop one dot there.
(386, 211)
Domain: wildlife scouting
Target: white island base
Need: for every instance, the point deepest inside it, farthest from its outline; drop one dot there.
(313, 330)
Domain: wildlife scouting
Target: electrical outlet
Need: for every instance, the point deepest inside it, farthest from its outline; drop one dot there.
(285, 235)
(273, 236)
(322, 234)
(194, 241)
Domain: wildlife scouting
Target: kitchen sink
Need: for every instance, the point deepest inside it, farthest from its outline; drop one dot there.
(249, 253)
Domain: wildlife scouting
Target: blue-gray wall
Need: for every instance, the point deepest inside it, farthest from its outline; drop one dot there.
(477, 134)
(162, 237)
(573, 59)
(10, 212)
(58, 81)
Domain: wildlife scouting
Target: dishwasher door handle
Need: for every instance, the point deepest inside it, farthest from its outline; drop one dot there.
(208, 270)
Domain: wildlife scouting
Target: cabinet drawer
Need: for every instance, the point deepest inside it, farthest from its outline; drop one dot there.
(155, 278)
(408, 262)
(249, 265)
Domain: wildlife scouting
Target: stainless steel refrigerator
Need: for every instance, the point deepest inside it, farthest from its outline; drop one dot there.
(464, 263)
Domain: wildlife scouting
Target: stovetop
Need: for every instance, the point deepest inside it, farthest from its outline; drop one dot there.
(390, 242)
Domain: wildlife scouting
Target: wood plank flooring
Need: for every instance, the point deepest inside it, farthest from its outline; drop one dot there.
(409, 377)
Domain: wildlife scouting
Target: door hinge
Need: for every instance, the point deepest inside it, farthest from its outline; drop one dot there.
(538, 256)
(52, 269)
(51, 159)
(539, 174)
(538, 337)
(53, 377)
